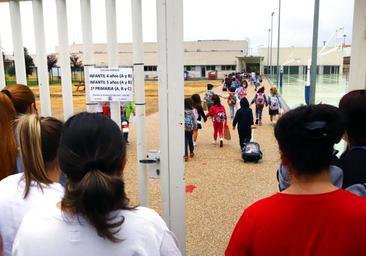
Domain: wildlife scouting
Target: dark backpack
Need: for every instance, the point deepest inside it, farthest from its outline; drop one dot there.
(251, 152)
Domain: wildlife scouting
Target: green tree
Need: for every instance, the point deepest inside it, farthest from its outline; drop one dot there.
(51, 63)
(29, 64)
(75, 63)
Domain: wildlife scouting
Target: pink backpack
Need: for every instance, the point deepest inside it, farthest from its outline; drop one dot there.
(260, 99)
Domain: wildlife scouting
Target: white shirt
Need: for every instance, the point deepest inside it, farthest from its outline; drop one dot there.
(49, 231)
(13, 206)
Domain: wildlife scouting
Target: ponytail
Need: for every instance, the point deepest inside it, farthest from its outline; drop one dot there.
(91, 154)
(95, 196)
(38, 141)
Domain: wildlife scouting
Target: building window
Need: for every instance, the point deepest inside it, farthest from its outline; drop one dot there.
(190, 68)
(228, 67)
(150, 68)
(211, 68)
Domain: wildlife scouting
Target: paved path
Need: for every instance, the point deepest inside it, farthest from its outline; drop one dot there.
(225, 185)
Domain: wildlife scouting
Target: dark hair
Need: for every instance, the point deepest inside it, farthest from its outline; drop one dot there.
(21, 96)
(216, 100)
(188, 104)
(353, 106)
(261, 90)
(91, 154)
(231, 89)
(196, 100)
(209, 86)
(306, 136)
(39, 139)
(245, 83)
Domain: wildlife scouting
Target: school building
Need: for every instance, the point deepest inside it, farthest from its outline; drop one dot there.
(202, 58)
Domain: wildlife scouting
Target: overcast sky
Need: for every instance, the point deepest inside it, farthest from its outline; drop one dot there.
(203, 19)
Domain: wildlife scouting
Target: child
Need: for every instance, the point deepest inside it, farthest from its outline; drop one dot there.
(199, 114)
(217, 111)
(190, 124)
(208, 96)
(241, 92)
(129, 108)
(244, 119)
(231, 101)
(260, 100)
(274, 104)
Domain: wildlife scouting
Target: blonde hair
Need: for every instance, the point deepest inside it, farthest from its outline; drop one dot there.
(274, 91)
(38, 140)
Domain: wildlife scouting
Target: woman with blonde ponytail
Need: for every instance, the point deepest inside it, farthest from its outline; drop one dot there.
(94, 216)
(38, 144)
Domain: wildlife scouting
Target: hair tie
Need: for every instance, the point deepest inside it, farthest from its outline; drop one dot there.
(7, 93)
(316, 129)
(93, 165)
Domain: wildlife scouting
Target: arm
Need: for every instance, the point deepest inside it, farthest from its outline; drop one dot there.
(254, 99)
(210, 112)
(194, 121)
(251, 120)
(169, 245)
(235, 121)
(279, 102)
(202, 113)
(239, 241)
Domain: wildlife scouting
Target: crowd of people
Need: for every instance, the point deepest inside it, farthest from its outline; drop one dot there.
(62, 190)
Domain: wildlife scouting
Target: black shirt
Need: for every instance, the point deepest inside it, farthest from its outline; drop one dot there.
(353, 164)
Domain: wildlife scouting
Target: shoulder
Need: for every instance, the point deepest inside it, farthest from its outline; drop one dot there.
(10, 183)
(145, 217)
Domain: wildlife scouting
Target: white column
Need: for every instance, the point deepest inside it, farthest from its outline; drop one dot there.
(357, 77)
(110, 6)
(87, 33)
(44, 90)
(171, 102)
(139, 82)
(2, 71)
(16, 32)
(64, 58)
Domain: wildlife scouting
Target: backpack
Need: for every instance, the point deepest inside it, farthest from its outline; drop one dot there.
(220, 116)
(273, 103)
(260, 99)
(242, 92)
(231, 100)
(208, 97)
(188, 123)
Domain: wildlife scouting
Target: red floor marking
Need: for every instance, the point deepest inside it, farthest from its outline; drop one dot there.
(190, 188)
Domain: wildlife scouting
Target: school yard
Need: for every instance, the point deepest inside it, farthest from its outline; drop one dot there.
(219, 185)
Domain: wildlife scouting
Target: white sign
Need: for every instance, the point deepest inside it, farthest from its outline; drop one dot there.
(110, 84)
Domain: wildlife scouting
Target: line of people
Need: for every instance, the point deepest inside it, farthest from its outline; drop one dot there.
(91, 213)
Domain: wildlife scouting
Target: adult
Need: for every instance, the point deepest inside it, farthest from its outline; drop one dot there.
(94, 216)
(38, 142)
(8, 147)
(312, 216)
(353, 161)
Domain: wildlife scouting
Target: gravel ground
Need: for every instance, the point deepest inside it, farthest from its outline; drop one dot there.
(225, 185)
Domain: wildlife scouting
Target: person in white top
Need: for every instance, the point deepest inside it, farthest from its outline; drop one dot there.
(94, 216)
(38, 142)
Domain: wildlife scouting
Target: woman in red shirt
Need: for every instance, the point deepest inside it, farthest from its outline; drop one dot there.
(312, 216)
(219, 119)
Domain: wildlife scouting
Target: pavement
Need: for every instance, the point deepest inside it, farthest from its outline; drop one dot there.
(219, 185)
